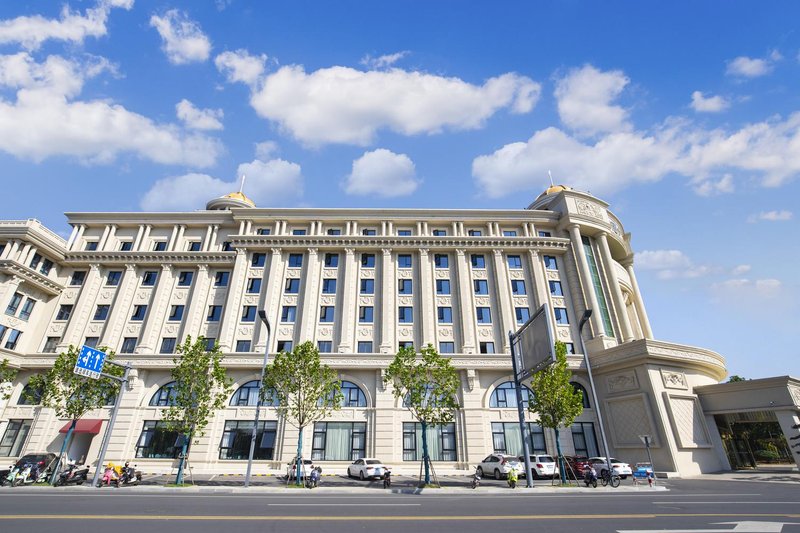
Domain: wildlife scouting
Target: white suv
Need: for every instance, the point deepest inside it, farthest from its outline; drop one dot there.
(499, 465)
(541, 466)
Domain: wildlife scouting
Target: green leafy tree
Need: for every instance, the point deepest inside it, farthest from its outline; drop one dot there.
(429, 387)
(72, 395)
(201, 387)
(7, 375)
(735, 378)
(555, 399)
(303, 390)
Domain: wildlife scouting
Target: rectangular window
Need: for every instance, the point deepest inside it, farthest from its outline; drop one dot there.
(478, 261)
(514, 261)
(365, 313)
(149, 278)
(522, 314)
(487, 347)
(507, 439)
(447, 347)
(214, 313)
(368, 260)
(544, 234)
(64, 312)
(260, 259)
(369, 232)
(285, 346)
(368, 286)
(35, 261)
(128, 345)
(101, 312)
(440, 233)
(584, 439)
(264, 231)
(185, 278)
(235, 444)
(405, 344)
(13, 339)
(298, 232)
(404, 233)
(159, 246)
(441, 442)
(598, 285)
(326, 313)
(14, 437)
(295, 260)
(325, 346)
(364, 346)
(242, 346)
(474, 233)
(227, 247)
(518, 287)
(481, 286)
(550, 262)
(91, 246)
(570, 348)
(157, 442)
(211, 343)
(91, 342)
(125, 246)
(139, 311)
(113, 278)
(221, 279)
(194, 246)
(405, 315)
(46, 266)
(339, 441)
(27, 309)
(329, 286)
(404, 261)
(288, 313)
(334, 231)
(404, 286)
(509, 233)
(292, 286)
(13, 305)
(555, 288)
(167, 345)
(445, 315)
(78, 277)
(561, 315)
(249, 313)
(484, 315)
(441, 260)
(50, 344)
(176, 313)
(442, 286)
(253, 285)
(331, 260)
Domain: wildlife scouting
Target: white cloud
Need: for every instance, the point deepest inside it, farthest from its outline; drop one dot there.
(710, 187)
(740, 270)
(183, 40)
(711, 104)
(265, 150)
(584, 98)
(382, 173)
(93, 130)
(383, 61)
(771, 216)
(240, 66)
(747, 67)
(198, 119)
(670, 264)
(344, 105)
(30, 32)
(743, 292)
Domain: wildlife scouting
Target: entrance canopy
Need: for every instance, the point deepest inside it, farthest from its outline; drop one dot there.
(84, 426)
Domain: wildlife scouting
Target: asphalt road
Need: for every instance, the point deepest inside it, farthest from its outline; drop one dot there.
(702, 506)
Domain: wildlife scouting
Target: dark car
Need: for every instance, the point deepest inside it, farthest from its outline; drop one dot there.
(575, 465)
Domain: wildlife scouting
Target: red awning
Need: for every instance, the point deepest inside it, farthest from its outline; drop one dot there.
(84, 426)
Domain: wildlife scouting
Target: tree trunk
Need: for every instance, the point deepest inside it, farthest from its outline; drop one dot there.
(299, 458)
(64, 448)
(425, 458)
(183, 457)
(561, 472)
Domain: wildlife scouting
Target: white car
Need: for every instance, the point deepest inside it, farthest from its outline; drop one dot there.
(541, 466)
(367, 468)
(623, 470)
(499, 465)
(308, 466)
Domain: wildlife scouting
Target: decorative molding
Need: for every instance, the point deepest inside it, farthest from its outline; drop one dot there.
(472, 375)
(589, 209)
(624, 381)
(687, 421)
(151, 258)
(674, 379)
(795, 393)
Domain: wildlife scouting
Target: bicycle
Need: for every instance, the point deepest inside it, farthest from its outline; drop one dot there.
(607, 478)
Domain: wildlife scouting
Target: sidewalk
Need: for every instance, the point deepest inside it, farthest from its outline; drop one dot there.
(764, 473)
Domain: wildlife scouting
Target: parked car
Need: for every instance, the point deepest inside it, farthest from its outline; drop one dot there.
(575, 466)
(308, 466)
(499, 465)
(623, 470)
(367, 468)
(541, 466)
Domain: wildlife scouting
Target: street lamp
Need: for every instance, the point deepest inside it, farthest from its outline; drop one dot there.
(584, 319)
(263, 316)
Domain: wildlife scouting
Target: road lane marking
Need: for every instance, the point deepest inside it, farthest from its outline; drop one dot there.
(734, 503)
(339, 504)
(294, 518)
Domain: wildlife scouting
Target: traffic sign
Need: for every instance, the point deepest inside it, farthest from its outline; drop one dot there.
(90, 362)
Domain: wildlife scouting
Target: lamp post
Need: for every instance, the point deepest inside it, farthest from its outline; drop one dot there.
(585, 318)
(263, 316)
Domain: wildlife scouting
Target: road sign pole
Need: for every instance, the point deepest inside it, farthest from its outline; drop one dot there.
(107, 437)
(521, 413)
(263, 316)
(649, 457)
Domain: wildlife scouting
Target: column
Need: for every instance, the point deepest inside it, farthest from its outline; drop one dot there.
(79, 236)
(541, 286)
(8, 289)
(232, 311)
(145, 236)
(271, 301)
(465, 306)
(121, 307)
(616, 292)
(586, 280)
(388, 301)
(207, 239)
(159, 301)
(197, 301)
(501, 283)
(139, 235)
(310, 298)
(83, 308)
(426, 329)
(348, 300)
(103, 237)
(72, 237)
(637, 299)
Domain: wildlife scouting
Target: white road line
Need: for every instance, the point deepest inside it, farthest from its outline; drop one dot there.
(733, 503)
(345, 504)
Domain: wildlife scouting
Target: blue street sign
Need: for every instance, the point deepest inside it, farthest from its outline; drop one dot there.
(90, 362)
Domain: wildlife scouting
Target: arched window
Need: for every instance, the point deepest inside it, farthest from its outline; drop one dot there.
(165, 396)
(247, 395)
(30, 396)
(578, 387)
(505, 396)
(353, 396)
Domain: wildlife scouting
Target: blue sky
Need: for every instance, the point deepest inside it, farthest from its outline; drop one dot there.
(684, 116)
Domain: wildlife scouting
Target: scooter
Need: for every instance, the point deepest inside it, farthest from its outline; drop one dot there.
(313, 478)
(512, 479)
(387, 479)
(74, 474)
(476, 480)
(38, 474)
(11, 476)
(590, 477)
(130, 476)
(109, 476)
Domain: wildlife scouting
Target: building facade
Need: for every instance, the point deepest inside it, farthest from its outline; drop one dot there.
(358, 283)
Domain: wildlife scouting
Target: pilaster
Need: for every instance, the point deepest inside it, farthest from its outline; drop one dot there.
(616, 292)
(388, 301)
(507, 319)
(159, 301)
(465, 307)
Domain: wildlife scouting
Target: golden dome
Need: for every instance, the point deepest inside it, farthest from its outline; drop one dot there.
(238, 195)
(231, 200)
(555, 189)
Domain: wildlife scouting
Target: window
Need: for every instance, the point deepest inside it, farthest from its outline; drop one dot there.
(570, 348)
(518, 287)
(484, 315)
(368, 260)
(509, 233)
(30, 395)
(369, 232)
(13, 305)
(441, 260)
(364, 346)
(211, 343)
(404, 233)
(51, 344)
(404, 261)
(78, 277)
(91, 246)
(331, 260)
(221, 279)
(326, 313)
(550, 262)
(298, 232)
(514, 261)
(164, 396)
(91, 342)
(329, 286)
(368, 286)
(561, 315)
(447, 347)
(405, 344)
(263, 231)
(242, 346)
(235, 443)
(440, 233)
(227, 247)
(288, 313)
(522, 314)
(14, 437)
(176, 313)
(254, 285)
(580, 388)
(506, 438)
(481, 286)
(334, 231)
(474, 233)
(555, 288)
(284, 346)
(584, 439)
(46, 266)
(544, 234)
(157, 442)
(405, 315)
(259, 259)
(167, 345)
(365, 314)
(159, 246)
(149, 278)
(113, 278)
(193, 246)
(352, 395)
(35, 260)
(404, 286)
(27, 309)
(101, 312)
(128, 345)
(442, 286)
(441, 442)
(505, 396)
(185, 278)
(125, 246)
(478, 261)
(292, 286)
(249, 313)
(64, 312)
(325, 346)
(339, 441)
(214, 313)
(295, 260)
(247, 395)
(139, 311)
(487, 347)
(445, 315)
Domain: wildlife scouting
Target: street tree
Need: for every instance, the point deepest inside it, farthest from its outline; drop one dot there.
(7, 375)
(201, 387)
(556, 401)
(72, 395)
(302, 389)
(428, 386)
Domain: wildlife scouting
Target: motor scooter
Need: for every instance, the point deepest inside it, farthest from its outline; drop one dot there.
(512, 479)
(74, 474)
(387, 479)
(476, 480)
(129, 476)
(109, 476)
(590, 477)
(11, 476)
